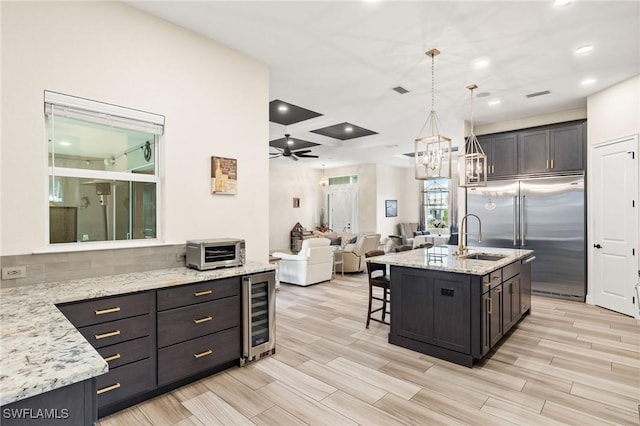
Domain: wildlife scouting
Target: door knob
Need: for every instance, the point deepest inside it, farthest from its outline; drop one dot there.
(598, 246)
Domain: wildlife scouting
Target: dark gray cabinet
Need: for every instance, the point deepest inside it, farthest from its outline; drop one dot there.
(567, 148)
(554, 149)
(123, 330)
(502, 154)
(557, 148)
(456, 317)
(72, 405)
(198, 328)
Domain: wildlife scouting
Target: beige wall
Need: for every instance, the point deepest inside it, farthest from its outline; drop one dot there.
(110, 52)
(287, 181)
(538, 120)
(376, 183)
(395, 183)
(614, 112)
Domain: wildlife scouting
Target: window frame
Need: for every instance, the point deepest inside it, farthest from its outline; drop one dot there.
(149, 122)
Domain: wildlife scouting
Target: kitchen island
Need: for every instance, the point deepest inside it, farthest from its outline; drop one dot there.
(456, 307)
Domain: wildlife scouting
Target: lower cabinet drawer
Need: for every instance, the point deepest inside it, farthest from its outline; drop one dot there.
(180, 324)
(118, 331)
(194, 356)
(127, 352)
(124, 382)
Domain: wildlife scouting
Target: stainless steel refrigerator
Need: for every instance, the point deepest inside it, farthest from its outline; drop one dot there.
(546, 215)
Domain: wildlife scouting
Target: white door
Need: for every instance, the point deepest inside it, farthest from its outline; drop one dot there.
(614, 206)
(342, 205)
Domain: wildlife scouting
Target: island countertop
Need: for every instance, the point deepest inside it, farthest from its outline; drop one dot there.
(441, 258)
(40, 350)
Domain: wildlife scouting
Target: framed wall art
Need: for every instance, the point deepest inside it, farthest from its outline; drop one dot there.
(224, 176)
(391, 208)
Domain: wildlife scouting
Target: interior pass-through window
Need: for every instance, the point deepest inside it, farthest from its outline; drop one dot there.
(102, 170)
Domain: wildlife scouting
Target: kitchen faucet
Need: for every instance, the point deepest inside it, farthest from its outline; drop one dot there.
(463, 233)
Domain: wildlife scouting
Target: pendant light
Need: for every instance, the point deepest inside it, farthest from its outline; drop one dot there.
(473, 163)
(432, 153)
(323, 180)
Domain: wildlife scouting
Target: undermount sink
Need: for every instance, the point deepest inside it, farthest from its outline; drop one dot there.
(484, 256)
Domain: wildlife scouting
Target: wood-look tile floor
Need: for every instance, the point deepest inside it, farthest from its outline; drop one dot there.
(566, 363)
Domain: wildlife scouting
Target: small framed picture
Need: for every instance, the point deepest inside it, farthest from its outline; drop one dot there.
(391, 208)
(296, 203)
(224, 176)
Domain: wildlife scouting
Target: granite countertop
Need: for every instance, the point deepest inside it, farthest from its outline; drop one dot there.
(40, 350)
(441, 258)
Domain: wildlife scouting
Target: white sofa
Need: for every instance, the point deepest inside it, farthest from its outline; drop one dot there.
(312, 264)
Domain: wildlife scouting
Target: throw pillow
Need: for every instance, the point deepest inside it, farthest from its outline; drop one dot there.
(336, 241)
(353, 240)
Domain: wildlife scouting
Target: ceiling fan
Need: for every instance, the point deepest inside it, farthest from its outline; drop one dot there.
(287, 152)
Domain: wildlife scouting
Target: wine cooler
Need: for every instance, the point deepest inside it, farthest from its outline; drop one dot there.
(258, 316)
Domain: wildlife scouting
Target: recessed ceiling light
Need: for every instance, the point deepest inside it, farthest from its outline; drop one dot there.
(348, 129)
(283, 108)
(64, 143)
(583, 50)
(481, 63)
(494, 102)
(560, 3)
(587, 81)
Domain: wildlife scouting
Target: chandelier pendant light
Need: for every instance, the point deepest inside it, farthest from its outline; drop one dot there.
(473, 163)
(432, 153)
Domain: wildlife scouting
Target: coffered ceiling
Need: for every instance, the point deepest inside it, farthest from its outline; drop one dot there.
(349, 61)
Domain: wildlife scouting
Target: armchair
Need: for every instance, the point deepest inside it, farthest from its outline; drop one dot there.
(407, 232)
(312, 264)
(353, 257)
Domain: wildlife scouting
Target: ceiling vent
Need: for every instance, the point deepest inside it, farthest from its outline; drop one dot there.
(533, 95)
(401, 90)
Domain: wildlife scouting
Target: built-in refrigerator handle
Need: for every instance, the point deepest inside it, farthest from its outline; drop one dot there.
(515, 220)
(523, 241)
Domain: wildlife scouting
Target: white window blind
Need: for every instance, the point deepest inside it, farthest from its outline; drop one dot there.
(103, 113)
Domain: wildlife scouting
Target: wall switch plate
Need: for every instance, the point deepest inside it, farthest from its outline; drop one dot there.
(13, 272)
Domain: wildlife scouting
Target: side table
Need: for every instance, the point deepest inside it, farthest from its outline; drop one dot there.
(276, 261)
(338, 259)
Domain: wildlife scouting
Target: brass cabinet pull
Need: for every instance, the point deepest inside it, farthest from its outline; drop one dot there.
(547, 164)
(552, 163)
(108, 311)
(490, 303)
(495, 278)
(105, 335)
(201, 354)
(202, 293)
(107, 389)
(113, 357)
(201, 320)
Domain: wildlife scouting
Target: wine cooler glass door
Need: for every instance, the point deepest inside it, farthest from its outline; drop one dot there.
(258, 296)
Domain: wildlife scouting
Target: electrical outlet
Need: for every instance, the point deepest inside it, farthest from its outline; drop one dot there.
(181, 257)
(13, 272)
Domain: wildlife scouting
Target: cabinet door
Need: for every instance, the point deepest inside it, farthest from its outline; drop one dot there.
(533, 152)
(495, 314)
(567, 148)
(511, 303)
(486, 323)
(504, 152)
(525, 287)
(487, 147)
(432, 307)
(515, 300)
(451, 313)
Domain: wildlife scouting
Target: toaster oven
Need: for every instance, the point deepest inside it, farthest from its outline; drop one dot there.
(215, 253)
